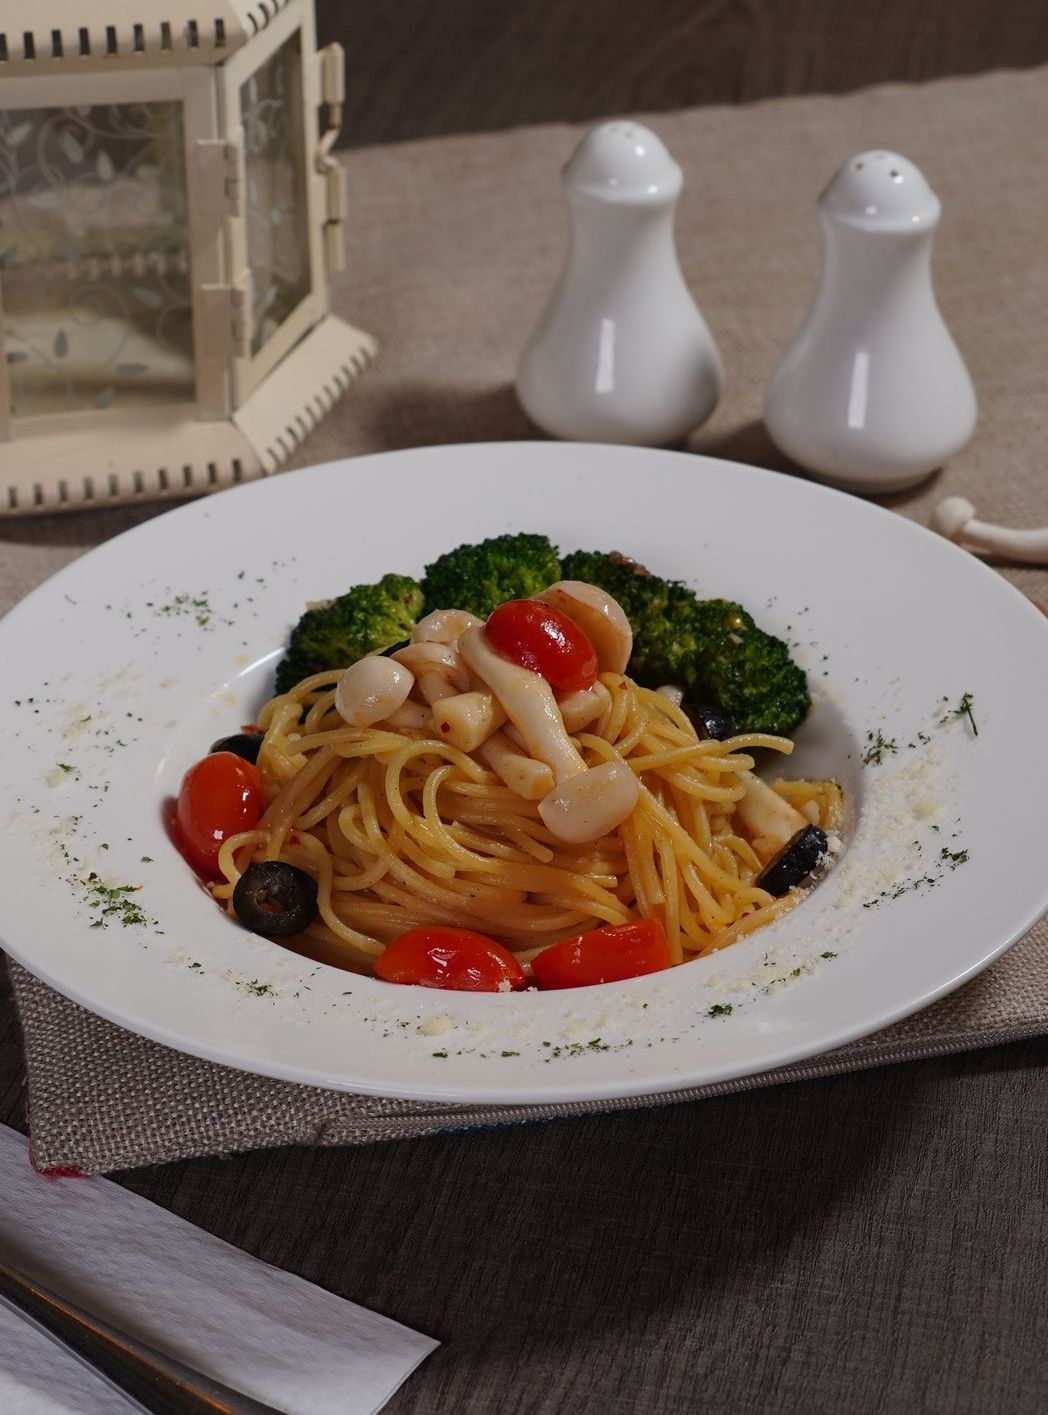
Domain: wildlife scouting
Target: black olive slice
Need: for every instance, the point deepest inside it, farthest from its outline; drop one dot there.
(395, 648)
(242, 744)
(794, 862)
(709, 720)
(275, 899)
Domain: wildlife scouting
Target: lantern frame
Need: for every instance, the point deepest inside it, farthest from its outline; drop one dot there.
(250, 406)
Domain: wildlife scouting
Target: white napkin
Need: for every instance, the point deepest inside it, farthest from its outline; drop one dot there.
(40, 1376)
(187, 1294)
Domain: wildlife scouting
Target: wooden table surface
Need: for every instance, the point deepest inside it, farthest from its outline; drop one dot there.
(469, 65)
(870, 1244)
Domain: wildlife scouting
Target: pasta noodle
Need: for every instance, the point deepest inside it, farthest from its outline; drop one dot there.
(401, 829)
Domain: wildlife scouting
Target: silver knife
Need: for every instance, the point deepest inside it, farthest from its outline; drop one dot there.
(159, 1383)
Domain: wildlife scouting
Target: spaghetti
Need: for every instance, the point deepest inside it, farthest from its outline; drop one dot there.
(401, 829)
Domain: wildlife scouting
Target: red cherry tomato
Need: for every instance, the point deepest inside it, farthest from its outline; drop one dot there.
(458, 959)
(604, 955)
(541, 638)
(219, 797)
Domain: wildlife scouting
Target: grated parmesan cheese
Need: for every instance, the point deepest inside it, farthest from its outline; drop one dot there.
(435, 1026)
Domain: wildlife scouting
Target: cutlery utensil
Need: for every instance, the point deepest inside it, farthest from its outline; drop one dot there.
(159, 1383)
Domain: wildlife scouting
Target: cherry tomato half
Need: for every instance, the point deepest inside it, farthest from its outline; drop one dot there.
(604, 955)
(219, 797)
(458, 959)
(541, 638)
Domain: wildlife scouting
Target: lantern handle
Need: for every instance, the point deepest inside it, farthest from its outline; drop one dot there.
(332, 65)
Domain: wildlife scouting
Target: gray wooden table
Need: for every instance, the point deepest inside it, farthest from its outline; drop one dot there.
(468, 65)
(868, 1243)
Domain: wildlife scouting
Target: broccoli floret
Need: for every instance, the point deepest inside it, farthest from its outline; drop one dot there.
(748, 672)
(711, 647)
(365, 619)
(480, 577)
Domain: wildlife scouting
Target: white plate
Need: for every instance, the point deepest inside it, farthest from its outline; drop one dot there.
(165, 639)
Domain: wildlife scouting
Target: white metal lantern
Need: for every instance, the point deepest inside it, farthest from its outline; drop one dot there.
(169, 213)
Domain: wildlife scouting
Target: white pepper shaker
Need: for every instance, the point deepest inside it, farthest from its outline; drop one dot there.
(621, 352)
(872, 394)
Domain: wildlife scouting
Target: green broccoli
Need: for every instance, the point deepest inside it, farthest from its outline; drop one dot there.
(480, 577)
(365, 619)
(748, 672)
(711, 647)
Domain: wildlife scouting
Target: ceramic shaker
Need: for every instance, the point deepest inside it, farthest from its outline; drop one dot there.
(621, 352)
(872, 394)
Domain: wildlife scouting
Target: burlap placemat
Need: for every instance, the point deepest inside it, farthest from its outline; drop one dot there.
(102, 1099)
(453, 247)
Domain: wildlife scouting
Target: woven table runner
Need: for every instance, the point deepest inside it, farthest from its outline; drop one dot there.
(453, 247)
(103, 1099)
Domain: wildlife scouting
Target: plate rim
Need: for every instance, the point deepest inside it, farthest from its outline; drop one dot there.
(553, 1092)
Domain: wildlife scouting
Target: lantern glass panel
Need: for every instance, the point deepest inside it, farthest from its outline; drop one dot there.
(94, 258)
(277, 219)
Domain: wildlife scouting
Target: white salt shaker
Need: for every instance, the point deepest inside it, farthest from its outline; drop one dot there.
(872, 394)
(621, 352)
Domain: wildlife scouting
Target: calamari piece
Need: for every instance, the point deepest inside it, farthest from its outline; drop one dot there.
(467, 719)
(370, 689)
(672, 692)
(765, 814)
(528, 702)
(438, 669)
(409, 715)
(590, 805)
(600, 618)
(444, 626)
(585, 705)
(529, 778)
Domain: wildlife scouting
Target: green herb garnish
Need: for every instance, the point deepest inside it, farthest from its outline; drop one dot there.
(879, 747)
(113, 902)
(964, 709)
(953, 858)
